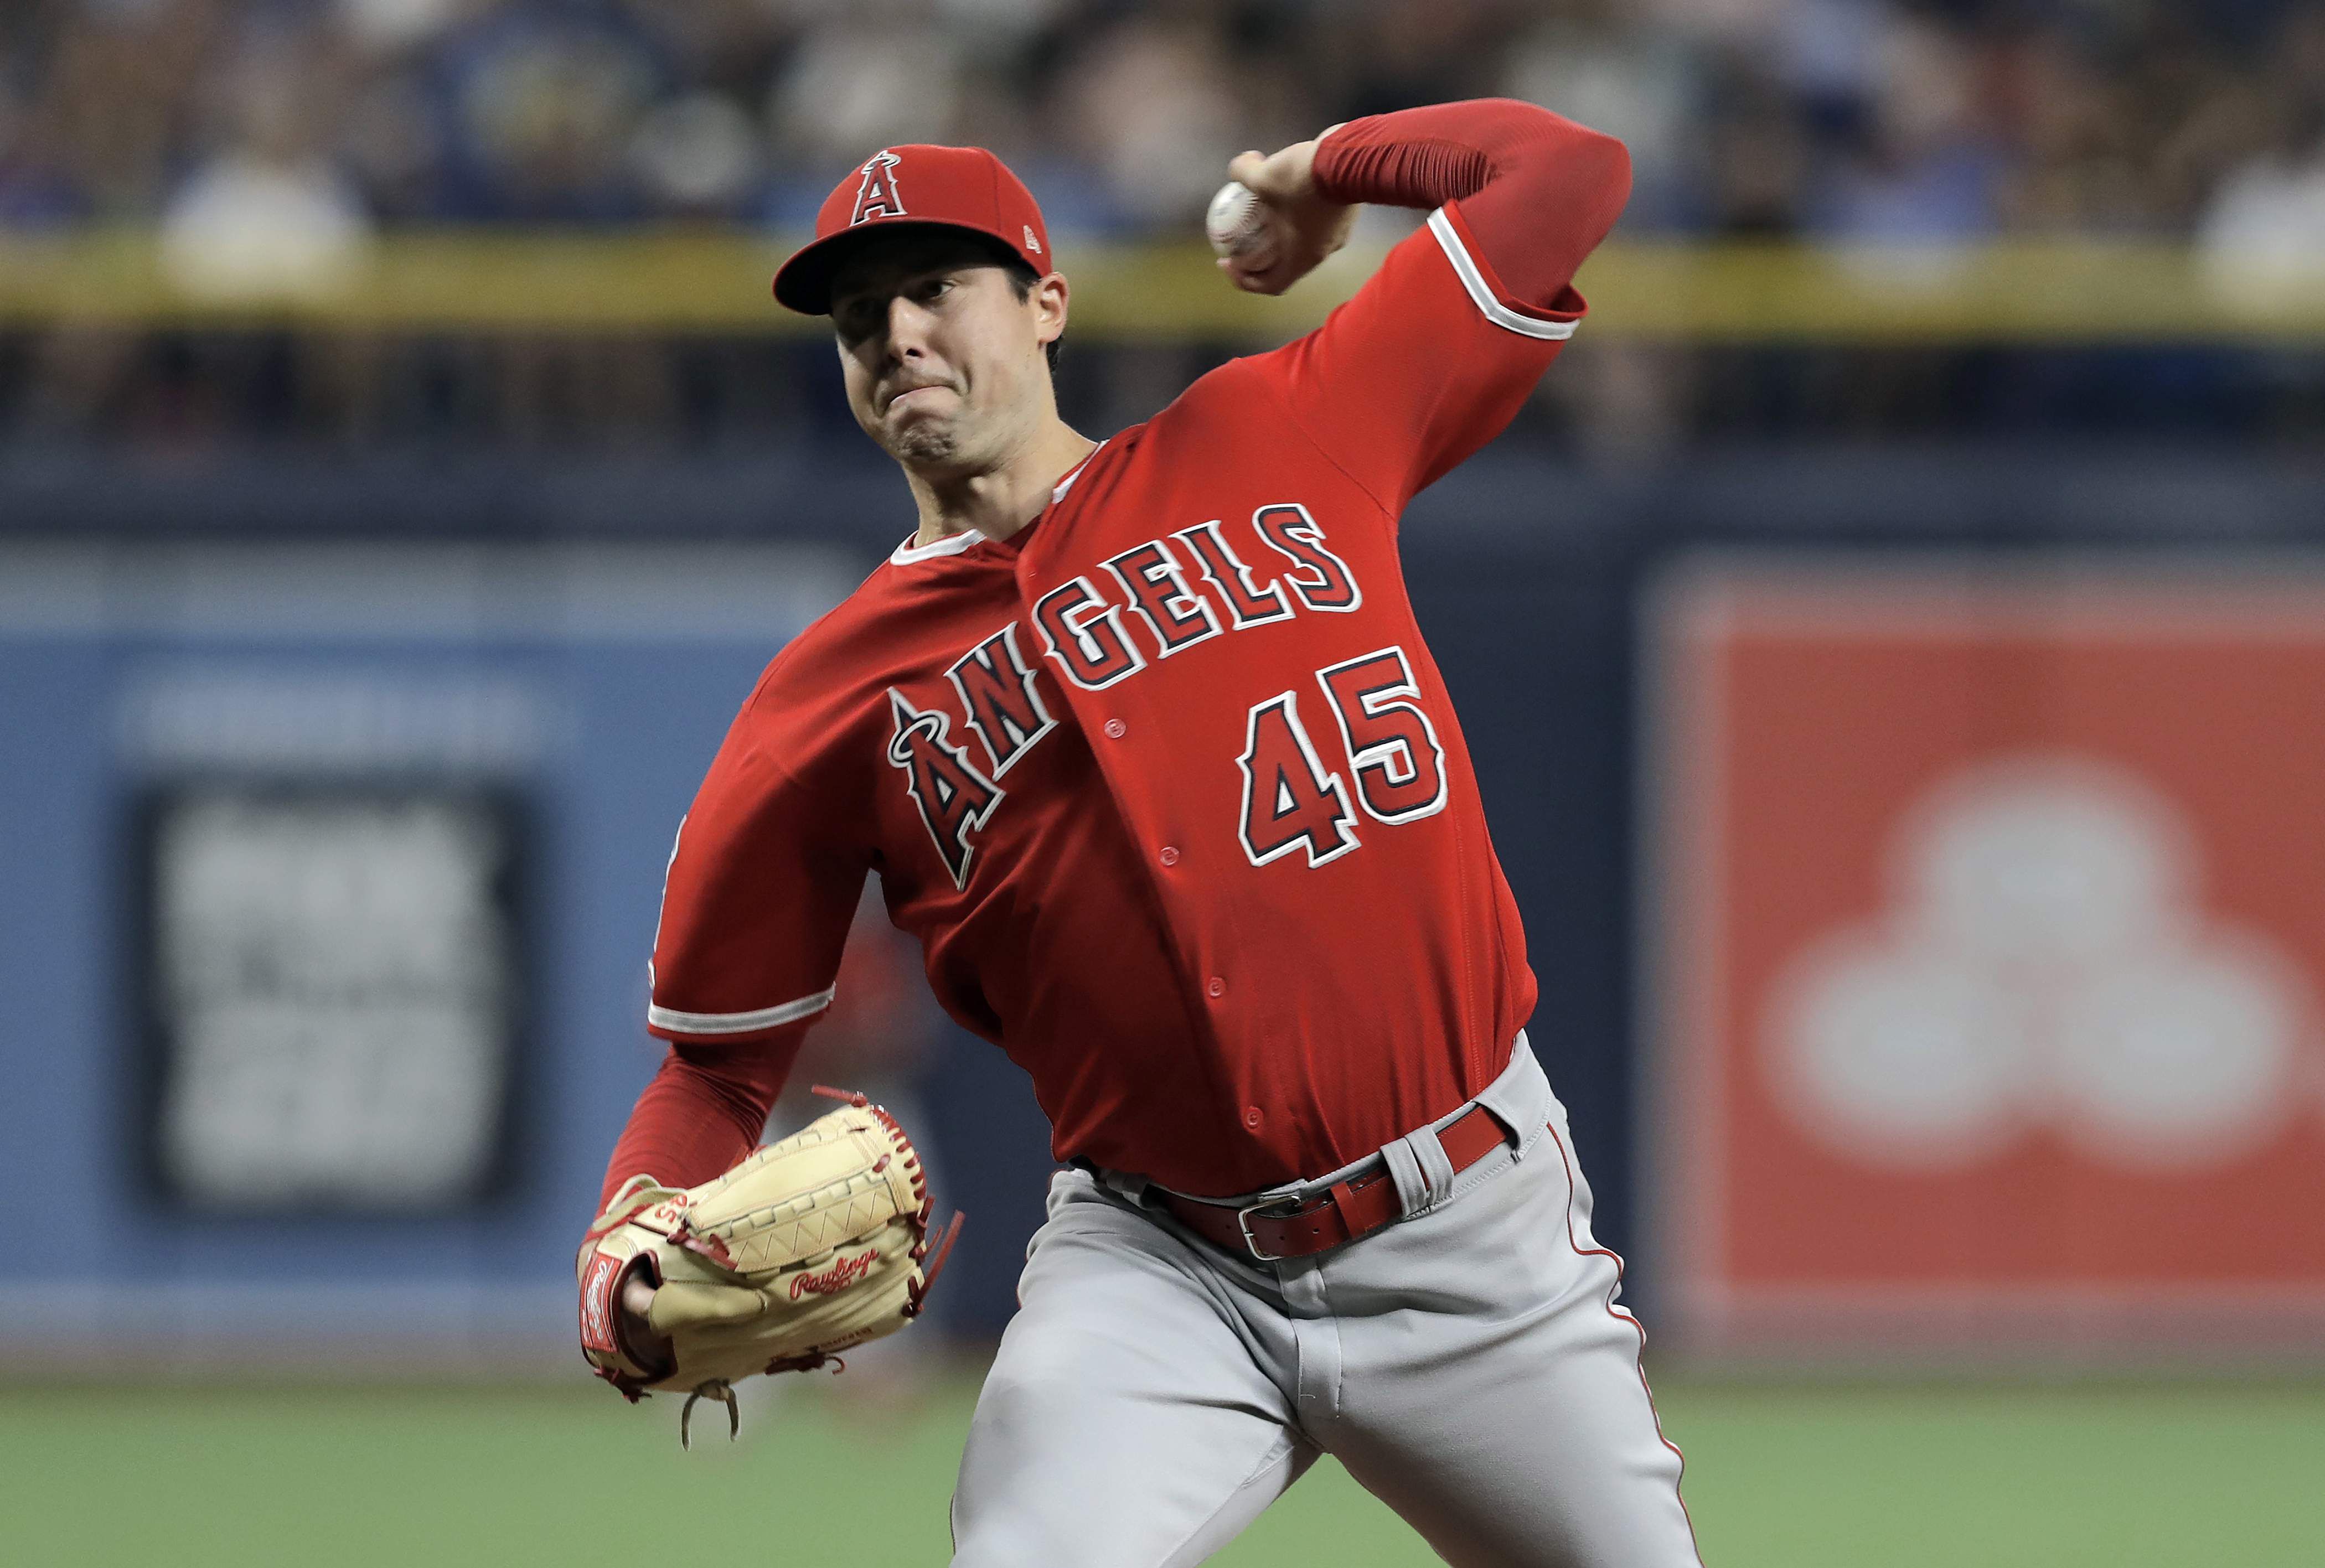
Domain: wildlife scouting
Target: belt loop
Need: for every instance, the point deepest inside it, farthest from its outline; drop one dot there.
(1520, 1099)
(1422, 1169)
(1404, 1169)
(1122, 1184)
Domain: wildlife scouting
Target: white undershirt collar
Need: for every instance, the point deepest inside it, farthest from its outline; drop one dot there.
(952, 544)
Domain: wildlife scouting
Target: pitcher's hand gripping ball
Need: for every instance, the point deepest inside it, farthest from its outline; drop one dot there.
(1270, 223)
(805, 1249)
(1236, 225)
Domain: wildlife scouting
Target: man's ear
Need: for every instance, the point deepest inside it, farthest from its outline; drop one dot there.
(1051, 302)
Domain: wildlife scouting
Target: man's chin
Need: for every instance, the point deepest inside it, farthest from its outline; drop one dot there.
(924, 443)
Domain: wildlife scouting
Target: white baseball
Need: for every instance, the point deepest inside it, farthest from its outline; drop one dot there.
(1237, 225)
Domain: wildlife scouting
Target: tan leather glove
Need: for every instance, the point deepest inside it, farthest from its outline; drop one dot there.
(804, 1249)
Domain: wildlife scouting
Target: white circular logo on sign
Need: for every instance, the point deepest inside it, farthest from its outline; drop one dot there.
(2044, 963)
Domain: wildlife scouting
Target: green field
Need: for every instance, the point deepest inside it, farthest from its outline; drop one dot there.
(1803, 1477)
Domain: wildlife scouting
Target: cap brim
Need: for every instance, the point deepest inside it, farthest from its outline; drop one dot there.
(803, 283)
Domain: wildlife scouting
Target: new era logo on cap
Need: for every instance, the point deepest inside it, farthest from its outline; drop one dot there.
(961, 187)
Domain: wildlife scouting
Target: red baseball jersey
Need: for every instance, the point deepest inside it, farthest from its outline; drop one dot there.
(1166, 785)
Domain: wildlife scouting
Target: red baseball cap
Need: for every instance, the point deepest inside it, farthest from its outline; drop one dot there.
(962, 188)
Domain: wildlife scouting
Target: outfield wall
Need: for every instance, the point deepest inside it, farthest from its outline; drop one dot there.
(216, 673)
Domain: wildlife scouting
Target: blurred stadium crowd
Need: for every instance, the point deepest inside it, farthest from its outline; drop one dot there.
(268, 143)
(1883, 119)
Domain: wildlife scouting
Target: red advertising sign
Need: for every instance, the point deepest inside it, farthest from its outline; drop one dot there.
(1989, 935)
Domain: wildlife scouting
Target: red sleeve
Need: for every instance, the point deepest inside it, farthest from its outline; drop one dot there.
(762, 887)
(703, 1112)
(1438, 351)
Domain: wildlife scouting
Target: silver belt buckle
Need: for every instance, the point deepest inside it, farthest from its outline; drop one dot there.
(1251, 1243)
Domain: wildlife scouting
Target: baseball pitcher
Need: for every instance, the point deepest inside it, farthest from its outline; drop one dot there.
(1152, 760)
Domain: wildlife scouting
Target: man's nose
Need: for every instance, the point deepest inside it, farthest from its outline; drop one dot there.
(908, 328)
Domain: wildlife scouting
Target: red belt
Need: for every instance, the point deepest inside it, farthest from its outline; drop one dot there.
(1340, 1212)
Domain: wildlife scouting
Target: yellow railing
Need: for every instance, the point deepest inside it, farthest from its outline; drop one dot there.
(716, 281)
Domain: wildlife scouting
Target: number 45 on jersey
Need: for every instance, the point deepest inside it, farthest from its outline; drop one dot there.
(1292, 801)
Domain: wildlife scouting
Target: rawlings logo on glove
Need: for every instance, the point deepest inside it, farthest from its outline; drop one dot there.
(746, 1269)
(834, 1279)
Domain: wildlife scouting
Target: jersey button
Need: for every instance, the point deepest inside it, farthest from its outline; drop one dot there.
(1115, 729)
(1218, 987)
(1170, 855)
(1252, 1118)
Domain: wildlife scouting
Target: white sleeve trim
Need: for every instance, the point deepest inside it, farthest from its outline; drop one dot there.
(738, 1023)
(1499, 314)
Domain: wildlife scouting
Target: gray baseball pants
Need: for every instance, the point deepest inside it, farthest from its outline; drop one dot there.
(1467, 1363)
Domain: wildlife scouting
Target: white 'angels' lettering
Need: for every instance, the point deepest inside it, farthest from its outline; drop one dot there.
(997, 695)
(1161, 596)
(955, 799)
(1245, 601)
(1084, 630)
(1321, 578)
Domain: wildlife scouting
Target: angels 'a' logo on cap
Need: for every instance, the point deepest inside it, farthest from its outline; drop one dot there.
(876, 195)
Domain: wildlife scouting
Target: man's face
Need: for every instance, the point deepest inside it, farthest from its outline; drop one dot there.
(943, 361)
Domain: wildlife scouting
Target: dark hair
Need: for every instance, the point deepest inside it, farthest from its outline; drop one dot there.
(1022, 279)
